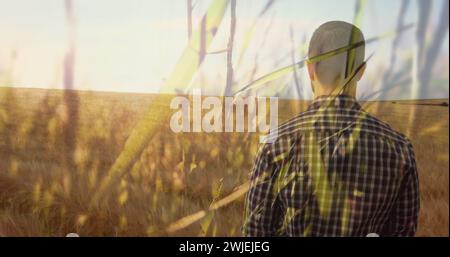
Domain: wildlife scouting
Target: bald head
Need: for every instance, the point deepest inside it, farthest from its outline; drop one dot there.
(328, 37)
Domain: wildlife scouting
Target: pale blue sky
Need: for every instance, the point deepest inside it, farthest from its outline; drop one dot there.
(132, 45)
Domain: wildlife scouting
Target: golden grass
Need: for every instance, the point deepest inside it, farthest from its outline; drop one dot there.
(47, 181)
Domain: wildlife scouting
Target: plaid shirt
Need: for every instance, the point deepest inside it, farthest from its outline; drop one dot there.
(333, 170)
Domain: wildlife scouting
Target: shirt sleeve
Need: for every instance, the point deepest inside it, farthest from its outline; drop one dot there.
(404, 215)
(262, 212)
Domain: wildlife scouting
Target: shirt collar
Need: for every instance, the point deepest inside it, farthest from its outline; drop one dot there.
(337, 102)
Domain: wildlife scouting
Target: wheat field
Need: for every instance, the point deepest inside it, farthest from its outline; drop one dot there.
(57, 146)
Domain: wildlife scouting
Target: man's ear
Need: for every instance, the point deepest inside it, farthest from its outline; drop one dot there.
(311, 71)
(361, 72)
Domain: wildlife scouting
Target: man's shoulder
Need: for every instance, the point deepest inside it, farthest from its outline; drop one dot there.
(391, 138)
(287, 130)
(277, 144)
(382, 129)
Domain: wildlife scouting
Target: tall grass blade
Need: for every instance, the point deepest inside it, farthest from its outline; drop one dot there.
(158, 113)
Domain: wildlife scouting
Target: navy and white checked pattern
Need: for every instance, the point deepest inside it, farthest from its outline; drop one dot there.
(333, 170)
